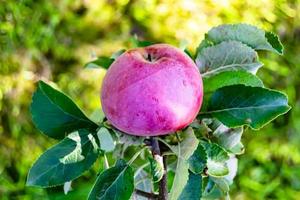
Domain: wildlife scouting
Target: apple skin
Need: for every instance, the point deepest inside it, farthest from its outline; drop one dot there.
(146, 97)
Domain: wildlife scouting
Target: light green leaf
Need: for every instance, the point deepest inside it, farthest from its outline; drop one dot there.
(247, 34)
(157, 168)
(228, 55)
(65, 161)
(228, 138)
(216, 159)
(239, 105)
(135, 42)
(183, 151)
(117, 54)
(55, 114)
(116, 183)
(193, 188)
(67, 187)
(142, 182)
(97, 116)
(101, 62)
(107, 143)
(198, 160)
(226, 78)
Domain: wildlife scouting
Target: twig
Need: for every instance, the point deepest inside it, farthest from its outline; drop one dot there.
(146, 194)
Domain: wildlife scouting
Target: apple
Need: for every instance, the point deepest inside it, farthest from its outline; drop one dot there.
(150, 91)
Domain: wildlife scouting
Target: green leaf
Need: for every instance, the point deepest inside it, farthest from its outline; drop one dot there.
(198, 160)
(228, 138)
(135, 42)
(183, 151)
(239, 105)
(116, 183)
(142, 182)
(210, 190)
(117, 54)
(193, 188)
(216, 159)
(247, 34)
(101, 62)
(55, 114)
(65, 161)
(97, 116)
(228, 55)
(107, 143)
(226, 78)
(157, 168)
(274, 41)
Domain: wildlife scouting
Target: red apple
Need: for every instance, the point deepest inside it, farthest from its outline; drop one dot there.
(155, 90)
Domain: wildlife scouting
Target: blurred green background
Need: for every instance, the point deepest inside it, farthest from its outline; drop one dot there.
(52, 40)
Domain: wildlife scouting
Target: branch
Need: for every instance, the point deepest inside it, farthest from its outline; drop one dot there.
(146, 194)
(163, 189)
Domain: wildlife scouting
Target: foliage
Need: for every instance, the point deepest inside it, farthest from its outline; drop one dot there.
(53, 40)
(233, 106)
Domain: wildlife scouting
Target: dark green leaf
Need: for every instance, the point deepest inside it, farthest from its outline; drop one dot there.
(193, 188)
(274, 41)
(198, 160)
(228, 55)
(247, 34)
(55, 114)
(226, 78)
(239, 105)
(107, 143)
(116, 183)
(216, 159)
(101, 62)
(65, 161)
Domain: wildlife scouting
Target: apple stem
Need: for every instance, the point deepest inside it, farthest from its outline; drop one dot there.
(163, 189)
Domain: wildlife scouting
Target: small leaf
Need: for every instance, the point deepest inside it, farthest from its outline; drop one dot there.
(239, 105)
(116, 183)
(198, 160)
(274, 41)
(157, 168)
(55, 114)
(216, 159)
(183, 151)
(101, 62)
(247, 34)
(221, 183)
(192, 189)
(228, 55)
(117, 54)
(65, 161)
(67, 187)
(135, 42)
(107, 143)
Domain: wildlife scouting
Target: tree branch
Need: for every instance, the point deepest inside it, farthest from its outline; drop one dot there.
(155, 149)
(146, 194)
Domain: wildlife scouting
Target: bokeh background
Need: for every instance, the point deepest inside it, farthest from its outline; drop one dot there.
(52, 40)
